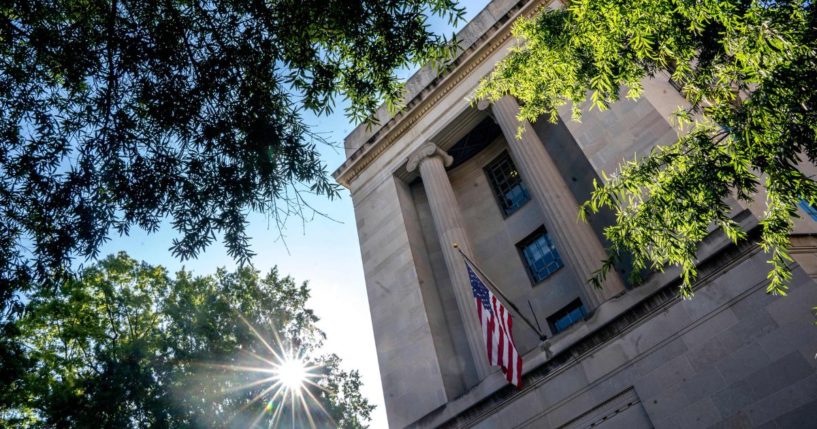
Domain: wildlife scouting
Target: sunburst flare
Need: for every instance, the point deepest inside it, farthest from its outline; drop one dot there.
(286, 385)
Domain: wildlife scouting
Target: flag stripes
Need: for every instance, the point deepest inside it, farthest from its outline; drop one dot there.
(497, 330)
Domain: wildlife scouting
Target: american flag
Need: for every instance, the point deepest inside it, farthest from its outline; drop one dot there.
(496, 330)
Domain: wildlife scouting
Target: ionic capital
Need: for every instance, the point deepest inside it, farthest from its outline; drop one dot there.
(427, 150)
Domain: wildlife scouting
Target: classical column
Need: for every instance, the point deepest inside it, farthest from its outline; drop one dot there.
(450, 228)
(575, 240)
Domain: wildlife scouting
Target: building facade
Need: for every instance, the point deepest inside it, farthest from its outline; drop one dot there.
(444, 172)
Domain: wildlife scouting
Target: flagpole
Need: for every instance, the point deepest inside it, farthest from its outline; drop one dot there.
(542, 337)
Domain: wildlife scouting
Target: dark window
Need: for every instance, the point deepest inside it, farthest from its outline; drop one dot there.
(809, 209)
(566, 317)
(475, 141)
(540, 255)
(508, 187)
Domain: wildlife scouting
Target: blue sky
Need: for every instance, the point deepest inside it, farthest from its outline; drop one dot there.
(324, 252)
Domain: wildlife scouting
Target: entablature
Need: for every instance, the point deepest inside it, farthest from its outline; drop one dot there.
(374, 141)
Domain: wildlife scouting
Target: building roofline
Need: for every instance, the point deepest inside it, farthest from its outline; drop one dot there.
(481, 37)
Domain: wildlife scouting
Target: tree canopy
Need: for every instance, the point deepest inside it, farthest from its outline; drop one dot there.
(126, 345)
(749, 71)
(123, 113)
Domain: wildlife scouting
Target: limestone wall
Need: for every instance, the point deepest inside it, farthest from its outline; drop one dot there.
(409, 369)
(734, 356)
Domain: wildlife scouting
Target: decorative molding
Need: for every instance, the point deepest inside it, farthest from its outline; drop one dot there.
(428, 98)
(803, 243)
(427, 150)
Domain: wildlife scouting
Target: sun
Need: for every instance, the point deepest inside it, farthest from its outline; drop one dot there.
(287, 383)
(292, 373)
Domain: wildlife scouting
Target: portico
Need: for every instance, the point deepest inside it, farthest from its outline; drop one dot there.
(576, 241)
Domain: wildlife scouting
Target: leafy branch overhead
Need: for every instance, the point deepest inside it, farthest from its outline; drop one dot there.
(123, 113)
(749, 72)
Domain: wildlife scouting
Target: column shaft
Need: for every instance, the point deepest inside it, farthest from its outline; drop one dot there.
(450, 229)
(575, 240)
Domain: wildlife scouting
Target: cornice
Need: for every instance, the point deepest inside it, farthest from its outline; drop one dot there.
(426, 99)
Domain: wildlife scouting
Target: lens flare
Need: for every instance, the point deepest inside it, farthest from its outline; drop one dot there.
(286, 385)
(292, 373)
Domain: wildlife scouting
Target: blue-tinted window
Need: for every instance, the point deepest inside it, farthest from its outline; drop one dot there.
(809, 209)
(540, 255)
(566, 317)
(510, 192)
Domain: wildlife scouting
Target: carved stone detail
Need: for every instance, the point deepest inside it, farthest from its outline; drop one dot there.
(427, 150)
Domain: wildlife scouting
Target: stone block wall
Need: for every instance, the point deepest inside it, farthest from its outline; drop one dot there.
(731, 357)
(409, 368)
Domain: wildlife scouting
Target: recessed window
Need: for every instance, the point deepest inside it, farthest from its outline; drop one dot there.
(809, 209)
(570, 315)
(510, 192)
(540, 255)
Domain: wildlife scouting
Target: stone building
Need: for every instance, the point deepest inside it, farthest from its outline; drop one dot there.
(442, 171)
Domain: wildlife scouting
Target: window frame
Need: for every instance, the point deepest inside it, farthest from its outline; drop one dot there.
(490, 173)
(529, 240)
(810, 210)
(564, 312)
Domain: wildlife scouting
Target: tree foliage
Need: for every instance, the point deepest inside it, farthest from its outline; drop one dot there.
(123, 113)
(126, 345)
(749, 71)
